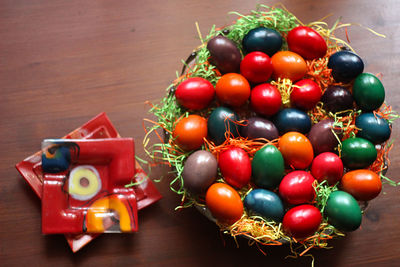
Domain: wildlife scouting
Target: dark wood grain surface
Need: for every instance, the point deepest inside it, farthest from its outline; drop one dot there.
(63, 62)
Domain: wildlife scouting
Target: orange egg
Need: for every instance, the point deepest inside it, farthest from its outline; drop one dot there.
(190, 132)
(296, 149)
(233, 89)
(362, 184)
(224, 203)
(287, 64)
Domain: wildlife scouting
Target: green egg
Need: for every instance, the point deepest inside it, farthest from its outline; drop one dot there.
(267, 167)
(358, 153)
(343, 211)
(368, 92)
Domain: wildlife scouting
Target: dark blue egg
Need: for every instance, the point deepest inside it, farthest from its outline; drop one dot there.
(220, 121)
(262, 39)
(345, 65)
(264, 203)
(375, 129)
(292, 119)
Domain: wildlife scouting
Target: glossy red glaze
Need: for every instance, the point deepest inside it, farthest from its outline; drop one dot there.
(297, 187)
(235, 166)
(306, 42)
(327, 166)
(265, 99)
(256, 67)
(362, 184)
(195, 93)
(305, 94)
(302, 221)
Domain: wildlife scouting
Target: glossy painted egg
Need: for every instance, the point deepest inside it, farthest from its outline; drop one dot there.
(297, 187)
(296, 149)
(265, 99)
(302, 221)
(235, 166)
(256, 67)
(358, 153)
(327, 167)
(266, 40)
(337, 98)
(264, 203)
(195, 93)
(362, 184)
(373, 128)
(306, 42)
(292, 119)
(305, 94)
(368, 92)
(263, 176)
(224, 54)
(258, 127)
(345, 65)
(322, 138)
(288, 65)
(220, 121)
(224, 203)
(199, 171)
(343, 211)
(233, 89)
(189, 132)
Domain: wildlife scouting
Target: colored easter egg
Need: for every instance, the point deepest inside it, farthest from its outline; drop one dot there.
(297, 187)
(345, 65)
(327, 166)
(296, 149)
(337, 98)
(343, 211)
(189, 132)
(195, 93)
(306, 42)
(373, 128)
(302, 221)
(224, 54)
(358, 153)
(220, 121)
(264, 203)
(289, 65)
(292, 119)
(266, 40)
(362, 184)
(368, 92)
(235, 166)
(305, 94)
(224, 203)
(233, 89)
(265, 99)
(258, 127)
(322, 137)
(256, 67)
(267, 177)
(199, 171)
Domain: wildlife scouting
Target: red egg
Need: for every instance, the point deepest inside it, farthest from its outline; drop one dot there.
(265, 99)
(362, 184)
(235, 166)
(327, 166)
(256, 67)
(305, 94)
(297, 187)
(302, 221)
(195, 93)
(306, 42)
(296, 149)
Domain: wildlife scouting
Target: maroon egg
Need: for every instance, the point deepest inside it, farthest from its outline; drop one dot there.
(235, 166)
(337, 98)
(322, 137)
(224, 54)
(199, 171)
(258, 127)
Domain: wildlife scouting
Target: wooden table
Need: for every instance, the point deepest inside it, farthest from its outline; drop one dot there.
(62, 62)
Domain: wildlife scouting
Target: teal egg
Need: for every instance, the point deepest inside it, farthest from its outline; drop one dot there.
(267, 167)
(220, 120)
(264, 203)
(358, 153)
(373, 128)
(368, 92)
(343, 211)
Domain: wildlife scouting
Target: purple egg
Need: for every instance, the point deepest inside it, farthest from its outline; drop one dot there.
(337, 98)
(258, 127)
(322, 137)
(224, 54)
